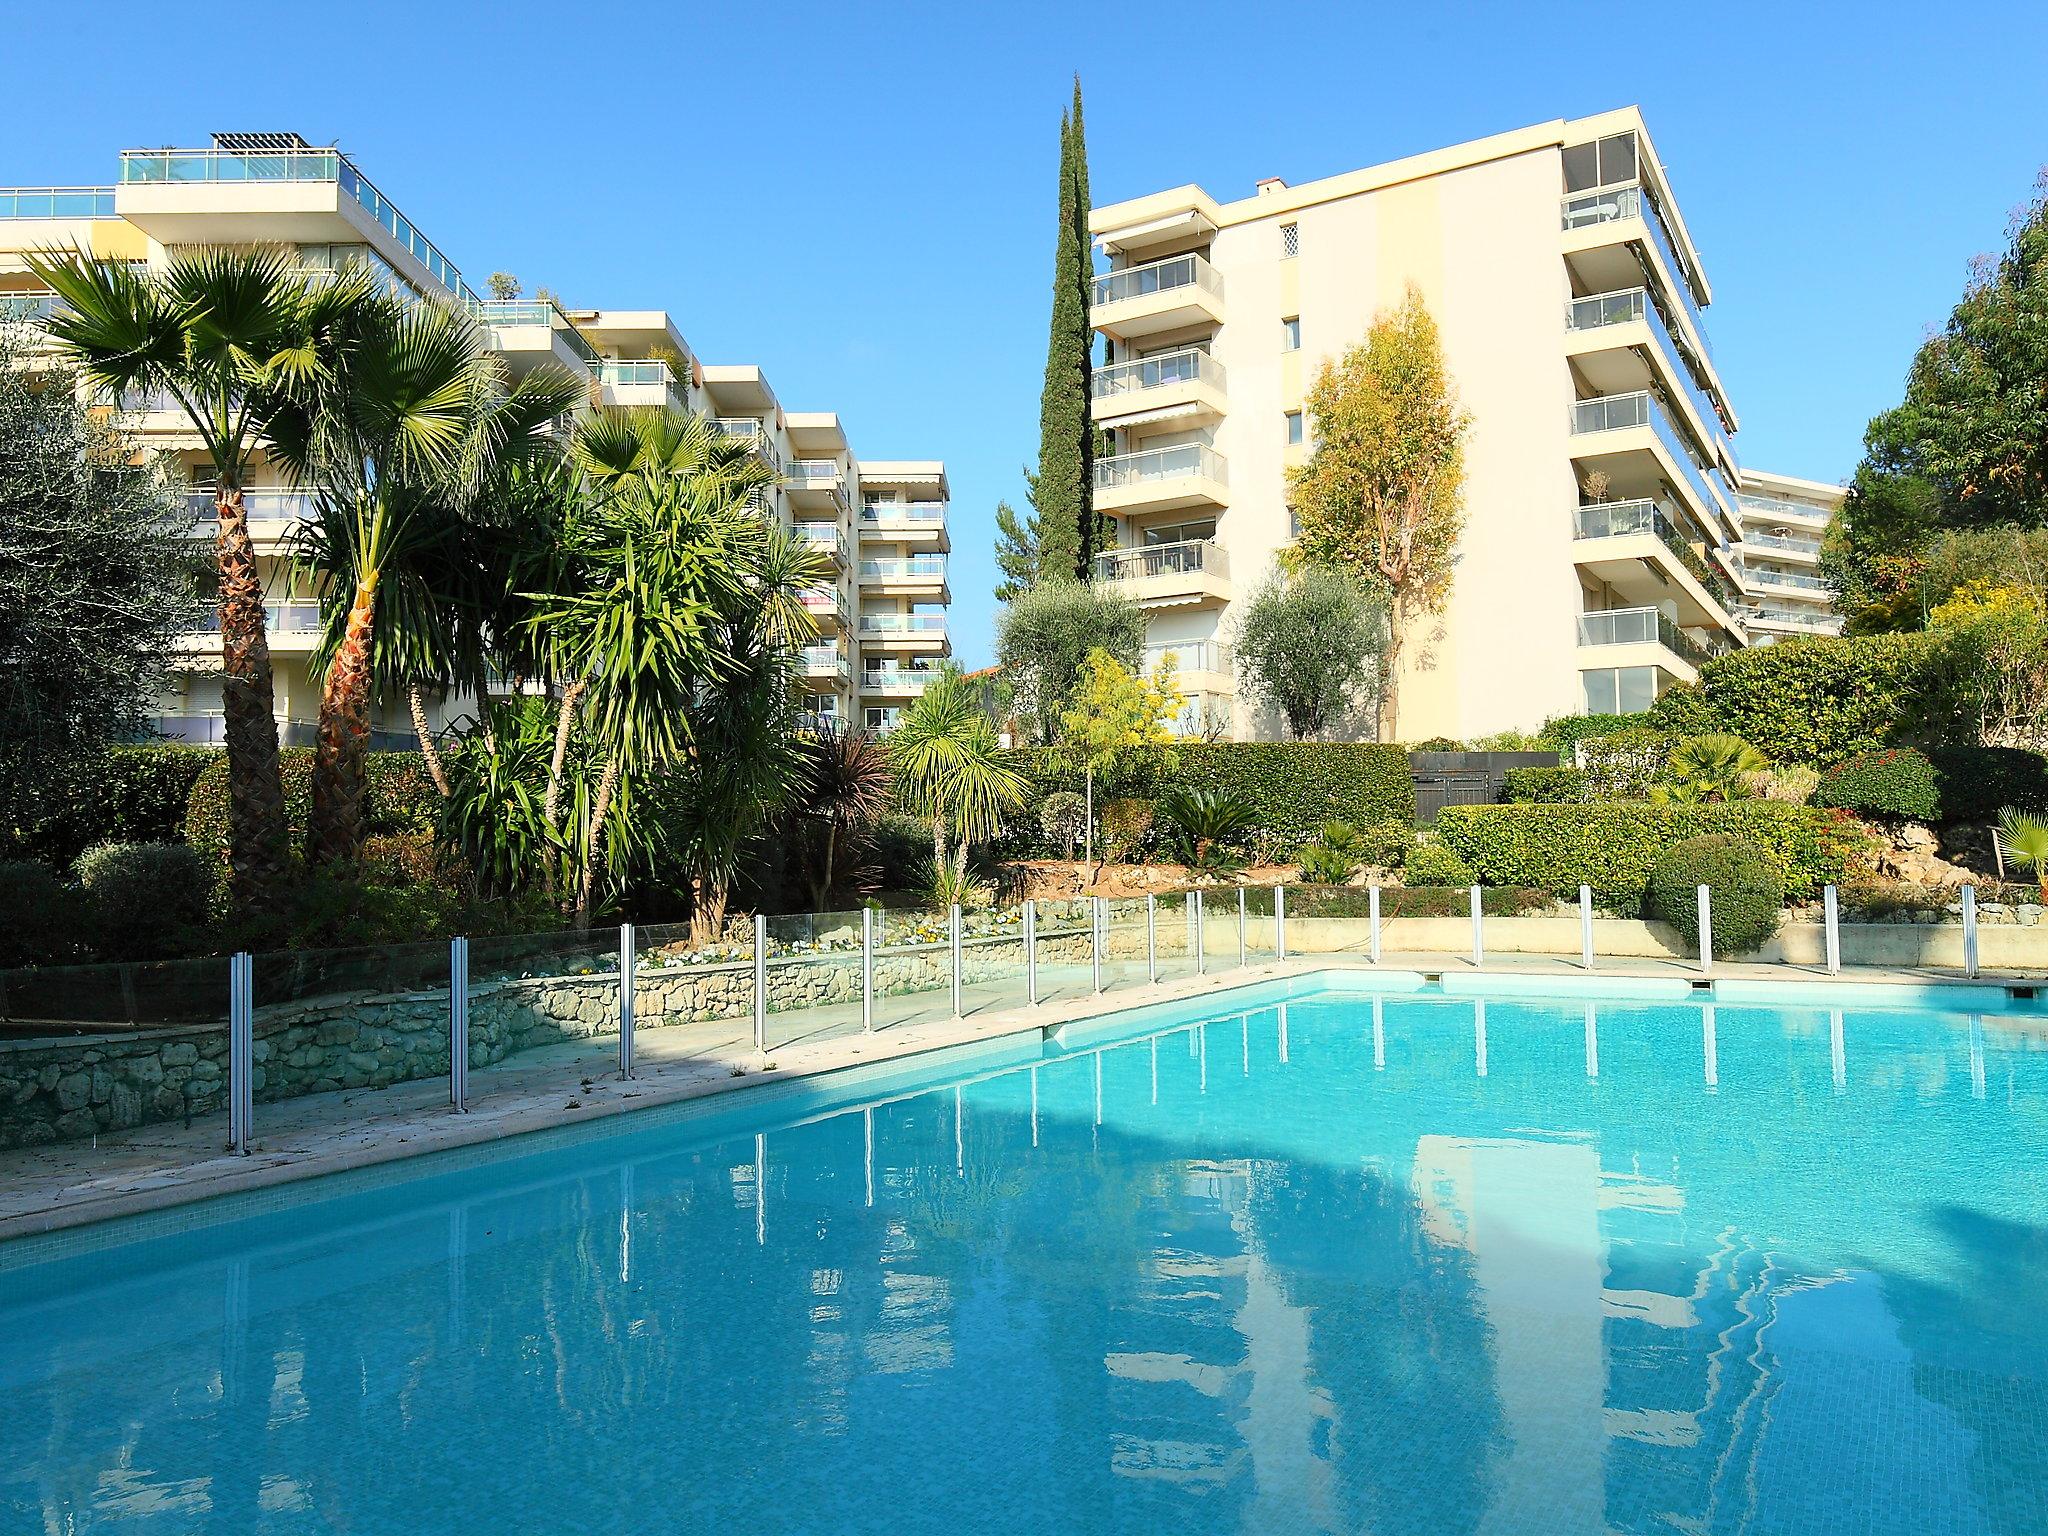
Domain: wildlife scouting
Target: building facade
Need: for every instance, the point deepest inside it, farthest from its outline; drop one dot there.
(1612, 541)
(275, 189)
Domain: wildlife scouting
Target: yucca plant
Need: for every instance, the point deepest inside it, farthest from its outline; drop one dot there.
(1334, 857)
(2024, 837)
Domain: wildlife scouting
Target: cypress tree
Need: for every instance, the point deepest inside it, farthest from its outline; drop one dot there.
(1062, 490)
(1098, 532)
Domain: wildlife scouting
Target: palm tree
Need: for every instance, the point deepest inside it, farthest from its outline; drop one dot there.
(410, 426)
(948, 766)
(846, 791)
(229, 336)
(1711, 768)
(2025, 837)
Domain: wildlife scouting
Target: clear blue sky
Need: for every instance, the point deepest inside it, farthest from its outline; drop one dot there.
(858, 197)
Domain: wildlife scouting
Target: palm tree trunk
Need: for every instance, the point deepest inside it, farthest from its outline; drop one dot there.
(336, 833)
(429, 748)
(938, 840)
(259, 839)
(593, 841)
(551, 809)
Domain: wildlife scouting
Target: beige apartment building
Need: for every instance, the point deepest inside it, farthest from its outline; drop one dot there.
(881, 613)
(1612, 540)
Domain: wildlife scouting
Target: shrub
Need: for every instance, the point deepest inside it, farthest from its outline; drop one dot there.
(1748, 891)
(41, 918)
(1206, 826)
(1563, 733)
(399, 797)
(1437, 864)
(126, 795)
(1388, 845)
(143, 901)
(1437, 744)
(1976, 783)
(1063, 818)
(1612, 846)
(1899, 785)
(1544, 786)
(1126, 827)
(1625, 764)
(1335, 856)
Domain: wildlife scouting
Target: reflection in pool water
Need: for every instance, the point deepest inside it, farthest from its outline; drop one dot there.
(1342, 1264)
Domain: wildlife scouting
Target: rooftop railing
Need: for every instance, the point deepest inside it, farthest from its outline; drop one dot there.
(1189, 271)
(1640, 626)
(56, 202)
(1182, 366)
(1183, 459)
(1182, 556)
(915, 568)
(239, 166)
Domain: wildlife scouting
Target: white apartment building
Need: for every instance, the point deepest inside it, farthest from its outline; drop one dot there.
(247, 189)
(1612, 541)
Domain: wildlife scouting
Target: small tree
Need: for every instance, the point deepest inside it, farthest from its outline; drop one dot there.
(503, 285)
(1381, 496)
(1044, 637)
(1313, 647)
(1115, 713)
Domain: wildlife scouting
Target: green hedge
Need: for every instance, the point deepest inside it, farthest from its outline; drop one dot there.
(1822, 700)
(1899, 785)
(1976, 783)
(1293, 787)
(126, 795)
(401, 798)
(1613, 847)
(1746, 889)
(1544, 786)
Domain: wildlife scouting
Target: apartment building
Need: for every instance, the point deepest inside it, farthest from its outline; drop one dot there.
(246, 189)
(1612, 540)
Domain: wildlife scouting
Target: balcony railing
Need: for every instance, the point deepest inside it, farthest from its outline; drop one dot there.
(1582, 210)
(748, 427)
(1775, 506)
(1180, 557)
(916, 568)
(1177, 462)
(823, 660)
(1800, 583)
(821, 600)
(903, 623)
(897, 680)
(1193, 656)
(824, 536)
(1185, 365)
(638, 373)
(922, 514)
(1780, 541)
(236, 166)
(1640, 408)
(26, 308)
(1826, 622)
(266, 504)
(1640, 626)
(825, 471)
(56, 202)
(536, 312)
(1189, 271)
(279, 618)
(1618, 519)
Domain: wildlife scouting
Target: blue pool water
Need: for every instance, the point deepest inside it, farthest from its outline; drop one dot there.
(1334, 1263)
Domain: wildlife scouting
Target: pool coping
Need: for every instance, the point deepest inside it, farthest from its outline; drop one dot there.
(529, 1114)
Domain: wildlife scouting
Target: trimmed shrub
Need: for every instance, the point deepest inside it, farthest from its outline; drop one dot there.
(144, 901)
(126, 795)
(1063, 818)
(1899, 785)
(1976, 783)
(1544, 786)
(1388, 845)
(1612, 846)
(1125, 826)
(1748, 891)
(1293, 787)
(1624, 764)
(1409, 901)
(41, 918)
(1436, 864)
(400, 798)
(1562, 733)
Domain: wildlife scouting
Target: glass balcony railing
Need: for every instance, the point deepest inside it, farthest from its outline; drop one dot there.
(903, 623)
(237, 166)
(1777, 506)
(815, 471)
(1582, 210)
(297, 618)
(1617, 519)
(1183, 556)
(823, 660)
(1640, 626)
(1780, 541)
(1640, 408)
(1824, 623)
(638, 373)
(915, 568)
(1184, 366)
(56, 202)
(903, 513)
(1639, 304)
(1798, 582)
(1181, 460)
(821, 600)
(1193, 656)
(26, 308)
(1189, 271)
(266, 504)
(823, 536)
(522, 313)
(896, 680)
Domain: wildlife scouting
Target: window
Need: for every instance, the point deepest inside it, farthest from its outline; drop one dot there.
(1295, 429)
(1606, 163)
(1619, 690)
(1290, 241)
(1290, 334)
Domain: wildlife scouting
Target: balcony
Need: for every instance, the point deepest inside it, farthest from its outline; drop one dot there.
(1639, 548)
(897, 682)
(273, 513)
(1186, 382)
(1161, 479)
(1787, 581)
(1638, 426)
(917, 573)
(1792, 620)
(298, 195)
(1186, 573)
(531, 333)
(1199, 665)
(55, 203)
(1630, 208)
(1158, 296)
(640, 383)
(1782, 544)
(823, 538)
(1622, 340)
(816, 483)
(1641, 637)
(906, 522)
(824, 663)
(920, 631)
(822, 603)
(27, 308)
(750, 429)
(292, 626)
(1777, 509)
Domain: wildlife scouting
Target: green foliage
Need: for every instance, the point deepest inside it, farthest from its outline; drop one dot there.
(1624, 765)
(1387, 845)
(1544, 786)
(1063, 485)
(1017, 552)
(1975, 783)
(1311, 647)
(400, 798)
(1126, 826)
(125, 795)
(2025, 839)
(1437, 744)
(42, 919)
(1063, 817)
(144, 901)
(1562, 733)
(1710, 768)
(1612, 846)
(1335, 856)
(1292, 786)
(1437, 864)
(1204, 825)
(1043, 641)
(1746, 888)
(1896, 785)
(1410, 901)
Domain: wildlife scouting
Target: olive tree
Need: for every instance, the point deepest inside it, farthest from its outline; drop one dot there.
(1312, 646)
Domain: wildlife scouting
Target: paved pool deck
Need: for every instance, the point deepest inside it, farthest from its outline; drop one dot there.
(47, 1189)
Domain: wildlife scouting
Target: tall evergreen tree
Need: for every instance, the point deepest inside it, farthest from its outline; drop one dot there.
(1017, 552)
(1062, 489)
(1098, 532)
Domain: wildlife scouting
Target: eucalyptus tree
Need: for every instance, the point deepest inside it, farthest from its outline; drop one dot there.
(227, 337)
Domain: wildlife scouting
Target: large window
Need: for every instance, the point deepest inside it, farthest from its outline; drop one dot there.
(1603, 163)
(1619, 690)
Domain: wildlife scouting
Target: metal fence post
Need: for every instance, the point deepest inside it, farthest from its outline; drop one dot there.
(1151, 938)
(629, 969)
(1199, 921)
(1970, 930)
(1586, 926)
(1706, 929)
(1280, 922)
(1095, 941)
(1241, 950)
(1478, 932)
(1031, 952)
(1831, 918)
(241, 1050)
(867, 970)
(761, 982)
(955, 925)
(458, 1025)
(1372, 913)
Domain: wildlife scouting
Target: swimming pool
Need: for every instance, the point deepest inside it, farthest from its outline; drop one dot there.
(1301, 1257)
